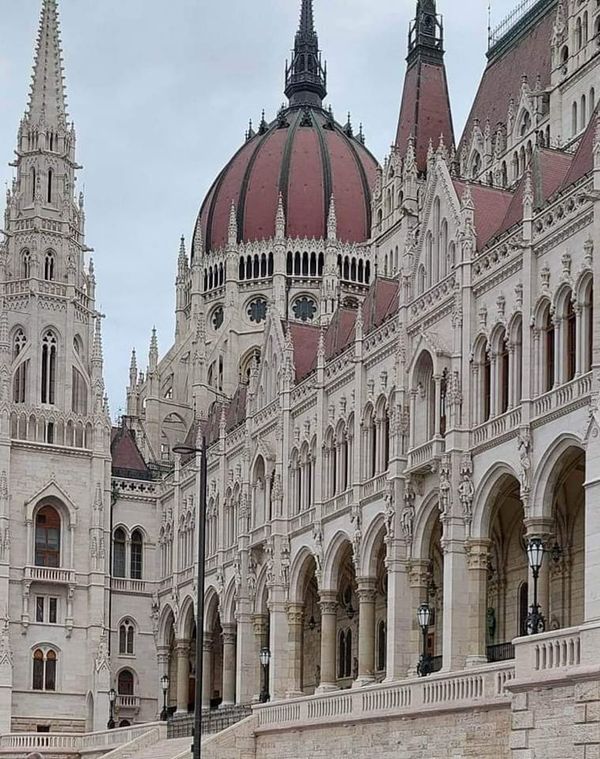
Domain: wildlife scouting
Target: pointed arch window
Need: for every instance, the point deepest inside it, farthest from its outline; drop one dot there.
(49, 266)
(126, 637)
(78, 393)
(125, 683)
(44, 669)
(25, 264)
(20, 382)
(137, 549)
(119, 551)
(50, 188)
(47, 537)
(33, 182)
(49, 350)
(381, 645)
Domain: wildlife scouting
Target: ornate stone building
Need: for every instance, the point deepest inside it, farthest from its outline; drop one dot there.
(395, 368)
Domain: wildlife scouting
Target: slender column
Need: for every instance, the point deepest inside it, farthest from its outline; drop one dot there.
(579, 340)
(438, 403)
(207, 653)
(478, 557)
(537, 368)
(419, 576)
(328, 604)
(162, 659)
(366, 631)
(182, 648)
(558, 351)
(295, 615)
(229, 638)
(413, 421)
(260, 625)
(494, 385)
(512, 376)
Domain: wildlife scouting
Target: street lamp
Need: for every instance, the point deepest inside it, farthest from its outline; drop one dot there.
(535, 622)
(164, 684)
(112, 697)
(424, 620)
(265, 659)
(185, 450)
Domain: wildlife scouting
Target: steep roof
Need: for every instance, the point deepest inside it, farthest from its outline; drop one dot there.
(491, 205)
(583, 160)
(525, 52)
(127, 461)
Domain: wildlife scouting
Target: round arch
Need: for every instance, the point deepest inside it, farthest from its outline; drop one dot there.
(371, 546)
(341, 541)
(301, 567)
(485, 497)
(546, 475)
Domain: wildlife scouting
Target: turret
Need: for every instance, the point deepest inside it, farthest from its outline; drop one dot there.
(306, 76)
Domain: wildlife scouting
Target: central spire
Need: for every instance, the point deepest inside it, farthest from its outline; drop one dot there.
(47, 102)
(426, 32)
(306, 77)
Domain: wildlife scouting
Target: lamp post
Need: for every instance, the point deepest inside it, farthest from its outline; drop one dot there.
(535, 556)
(265, 659)
(185, 450)
(164, 684)
(112, 697)
(424, 619)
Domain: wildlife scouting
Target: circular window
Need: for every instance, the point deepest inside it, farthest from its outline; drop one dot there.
(257, 310)
(217, 317)
(305, 309)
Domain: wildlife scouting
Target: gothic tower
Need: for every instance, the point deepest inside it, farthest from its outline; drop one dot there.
(54, 425)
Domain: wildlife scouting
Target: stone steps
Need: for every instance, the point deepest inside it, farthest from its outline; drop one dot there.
(166, 749)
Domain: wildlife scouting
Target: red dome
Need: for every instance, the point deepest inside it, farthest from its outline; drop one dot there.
(305, 156)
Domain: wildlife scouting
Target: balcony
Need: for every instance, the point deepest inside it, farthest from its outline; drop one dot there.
(374, 487)
(129, 704)
(500, 652)
(53, 575)
(573, 394)
(493, 429)
(126, 585)
(425, 457)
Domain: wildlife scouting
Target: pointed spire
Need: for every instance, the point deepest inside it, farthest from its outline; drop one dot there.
(47, 101)
(321, 349)
(153, 353)
(306, 77)
(280, 219)
(332, 220)
(232, 234)
(97, 353)
(133, 369)
(528, 197)
(197, 242)
(182, 263)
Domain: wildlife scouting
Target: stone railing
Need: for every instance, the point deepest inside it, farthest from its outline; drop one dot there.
(133, 747)
(302, 520)
(130, 703)
(576, 391)
(53, 575)
(539, 656)
(495, 428)
(423, 456)
(128, 586)
(471, 688)
(375, 486)
(75, 743)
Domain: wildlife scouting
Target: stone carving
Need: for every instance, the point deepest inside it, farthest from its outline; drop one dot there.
(466, 490)
(251, 578)
(445, 486)
(102, 655)
(237, 576)
(285, 562)
(318, 552)
(356, 520)
(407, 520)
(6, 655)
(220, 582)
(389, 513)
(524, 448)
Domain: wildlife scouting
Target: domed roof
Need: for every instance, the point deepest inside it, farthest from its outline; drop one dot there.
(307, 157)
(304, 155)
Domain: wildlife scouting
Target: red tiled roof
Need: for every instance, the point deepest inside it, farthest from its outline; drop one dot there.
(340, 332)
(381, 303)
(306, 161)
(491, 205)
(305, 339)
(583, 160)
(125, 452)
(502, 79)
(425, 111)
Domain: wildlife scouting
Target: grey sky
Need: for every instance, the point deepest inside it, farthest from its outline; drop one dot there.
(161, 94)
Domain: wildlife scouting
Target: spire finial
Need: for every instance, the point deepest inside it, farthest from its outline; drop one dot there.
(232, 232)
(306, 76)
(97, 354)
(47, 101)
(280, 219)
(153, 353)
(332, 220)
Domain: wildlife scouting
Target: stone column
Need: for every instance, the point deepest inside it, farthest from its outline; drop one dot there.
(245, 666)
(295, 615)
(456, 601)
(207, 651)
(260, 625)
(182, 648)
(478, 558)
(162, 660)
(541, 528)
(419, 577)
(400, 614)
(437, 379)
(229, 638)
(328, 603)
(366, 631)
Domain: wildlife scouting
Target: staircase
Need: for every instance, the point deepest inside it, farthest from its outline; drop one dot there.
(174, 748)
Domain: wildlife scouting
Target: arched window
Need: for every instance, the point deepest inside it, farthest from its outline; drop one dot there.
(570, 341)
(137, 549)
(574, 119)
(548, 349)
(578, 34)
(587, 341)
(44, 670)
(50, 178)
(33, 182)
(525, 123)
(25, 264)
(78, 393)
(583, 111)
(126, 635)
(381, 646)
(49, 264)
(345, 654)
(49, 347)
(429, 259)
(20, 382)
(125, 683)
(503, 374)
(19, 343)
(484, 367)
(119, 551)
(476, 165)
(523, 606)
(47, 537)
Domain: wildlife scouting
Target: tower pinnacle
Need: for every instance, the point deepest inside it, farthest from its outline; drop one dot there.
(305, 76)
(47, 101)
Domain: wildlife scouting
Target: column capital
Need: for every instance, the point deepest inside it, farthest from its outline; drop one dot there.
(328, 601)
(260, 623)
(478, 553)
(539, 527)
(366, 590)
(182, 646)
(229, 634)
(295, 613)
(419, 571)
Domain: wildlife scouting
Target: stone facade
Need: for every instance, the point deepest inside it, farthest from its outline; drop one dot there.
(388, 421)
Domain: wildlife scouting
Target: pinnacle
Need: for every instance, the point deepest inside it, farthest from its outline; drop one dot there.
(47, 100)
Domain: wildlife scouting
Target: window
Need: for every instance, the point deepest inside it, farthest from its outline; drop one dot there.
(44, 670)
(257, 310)
(345, 654)
(119, 546)
(125, 683)
(503, 368)
(20, 375)
(548, 348)
(571, 340)
(33, 182)
(78, 393)
(305, 309)
(46, 609)
(25, 265)
(49, 348)
(126, 633)
(49, 263)
(47, 538)
(137, 545)
(381, 646)
(523, 608)
(217, 317)
(486, 383)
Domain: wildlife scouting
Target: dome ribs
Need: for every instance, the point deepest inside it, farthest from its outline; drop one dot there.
(326, 163)
(241, 208)
(284, 174)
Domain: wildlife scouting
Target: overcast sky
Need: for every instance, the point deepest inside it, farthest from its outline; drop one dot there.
(161, 93)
